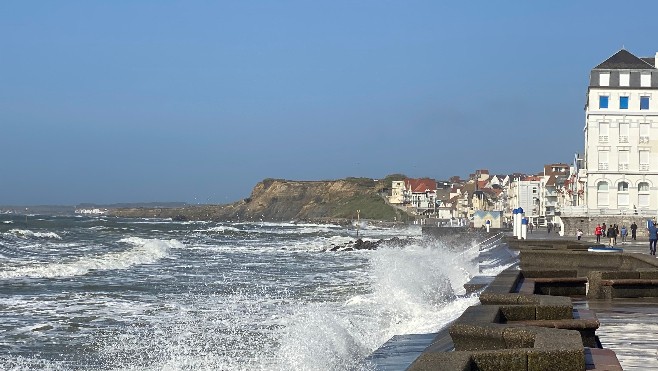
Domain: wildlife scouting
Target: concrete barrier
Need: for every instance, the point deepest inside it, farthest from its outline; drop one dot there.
(623, 284)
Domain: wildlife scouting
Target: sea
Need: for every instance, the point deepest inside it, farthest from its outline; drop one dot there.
(105, 293)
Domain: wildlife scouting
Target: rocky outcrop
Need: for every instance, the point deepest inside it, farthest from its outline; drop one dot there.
(285, 200)
(360, 244)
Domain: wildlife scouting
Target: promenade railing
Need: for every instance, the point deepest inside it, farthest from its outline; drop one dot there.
(585, 211)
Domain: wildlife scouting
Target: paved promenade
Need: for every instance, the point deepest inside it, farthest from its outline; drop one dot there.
(629, 327)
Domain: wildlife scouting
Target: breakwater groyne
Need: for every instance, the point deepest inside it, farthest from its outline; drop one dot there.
(537, 314)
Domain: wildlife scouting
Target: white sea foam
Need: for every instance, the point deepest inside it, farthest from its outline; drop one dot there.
(219, 229)
(144, 251)
(26, 233)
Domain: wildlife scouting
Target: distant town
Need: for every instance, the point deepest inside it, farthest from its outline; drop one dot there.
(615, 177)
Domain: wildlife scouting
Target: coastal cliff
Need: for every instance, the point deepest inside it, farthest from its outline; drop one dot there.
(285, 200)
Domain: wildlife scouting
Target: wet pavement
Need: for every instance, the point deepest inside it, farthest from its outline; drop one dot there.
(629, 327)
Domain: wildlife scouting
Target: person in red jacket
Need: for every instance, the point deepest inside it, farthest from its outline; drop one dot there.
(598, 231)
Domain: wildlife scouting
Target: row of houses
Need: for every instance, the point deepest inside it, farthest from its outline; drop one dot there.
(616, 175)
(542, 195)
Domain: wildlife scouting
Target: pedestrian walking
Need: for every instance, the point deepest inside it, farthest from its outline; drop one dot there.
(653, 236)
(624, 234)
(598, 232)
(612, 235)
(633, 231)
(579, 234)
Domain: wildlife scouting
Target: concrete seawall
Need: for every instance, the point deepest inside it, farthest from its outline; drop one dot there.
(537, 315)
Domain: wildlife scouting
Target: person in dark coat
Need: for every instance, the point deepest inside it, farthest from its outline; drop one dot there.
(634, 231)
(653, 236)
(612, 235)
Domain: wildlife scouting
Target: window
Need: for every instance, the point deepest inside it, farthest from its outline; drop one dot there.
(603, 160)
(644, 160)
(602, 194)
(624, 79)
(644, 132)
(643, 194)
(624, 157)
(644, 102)
(604, 79)
(603, 132)
(603, 101)
(624, 128)
(622, 194)
(623, 102)
(645, 79)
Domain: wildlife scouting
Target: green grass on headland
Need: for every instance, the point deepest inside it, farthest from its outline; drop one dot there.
(371, 206)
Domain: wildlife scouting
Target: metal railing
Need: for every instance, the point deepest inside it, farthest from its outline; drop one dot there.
(585, 211)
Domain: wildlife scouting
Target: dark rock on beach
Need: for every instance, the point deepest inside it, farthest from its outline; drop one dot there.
(360, 244)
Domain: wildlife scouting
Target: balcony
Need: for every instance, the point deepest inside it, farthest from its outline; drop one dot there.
(603, 139)
(603, 166)
(644, 139)
(623, 139)
(644, 167)
(623, 167)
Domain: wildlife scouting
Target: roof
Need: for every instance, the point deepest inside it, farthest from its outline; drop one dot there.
(623, 59)
(420, 185)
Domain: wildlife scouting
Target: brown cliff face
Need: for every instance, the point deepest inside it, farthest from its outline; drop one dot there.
(284, 200)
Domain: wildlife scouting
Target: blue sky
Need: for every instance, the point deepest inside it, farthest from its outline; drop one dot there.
(195, 101)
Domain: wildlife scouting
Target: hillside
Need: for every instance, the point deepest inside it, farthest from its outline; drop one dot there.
(285, 200)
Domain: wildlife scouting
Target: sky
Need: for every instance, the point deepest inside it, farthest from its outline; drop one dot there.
(197, 101)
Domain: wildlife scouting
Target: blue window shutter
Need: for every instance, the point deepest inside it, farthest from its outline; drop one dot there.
(623, 102)
(603, 101)
(644, 102)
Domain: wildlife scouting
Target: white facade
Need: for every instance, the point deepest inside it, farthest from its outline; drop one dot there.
(525, 194)
(397, 192)
(621, 136)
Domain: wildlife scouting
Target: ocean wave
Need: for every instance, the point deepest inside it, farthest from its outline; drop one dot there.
(144, 251)
(26, 233)
(218, 229)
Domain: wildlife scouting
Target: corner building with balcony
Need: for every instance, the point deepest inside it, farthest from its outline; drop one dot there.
(621, 135)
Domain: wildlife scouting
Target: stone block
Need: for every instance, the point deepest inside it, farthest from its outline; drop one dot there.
(556, 359)
(468, 336)
(557, 349)
(553, 312)
(503, 360)
(442, 361)
(650, 274)
(609, 275)
(519, 337)
(549, 273)
(518, 312)
(480, 314)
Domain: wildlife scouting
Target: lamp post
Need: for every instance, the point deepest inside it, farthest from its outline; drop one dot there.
(358, 222)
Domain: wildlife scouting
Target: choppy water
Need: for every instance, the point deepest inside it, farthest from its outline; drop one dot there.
(119, 294)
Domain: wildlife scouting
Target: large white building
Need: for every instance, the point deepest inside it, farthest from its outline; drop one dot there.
(621, 135)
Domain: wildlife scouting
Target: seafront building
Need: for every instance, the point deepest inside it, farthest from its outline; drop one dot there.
(621, 136)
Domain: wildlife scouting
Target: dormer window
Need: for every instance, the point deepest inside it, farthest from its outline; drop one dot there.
(645, 79)
(624, 79)
(604, 79)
